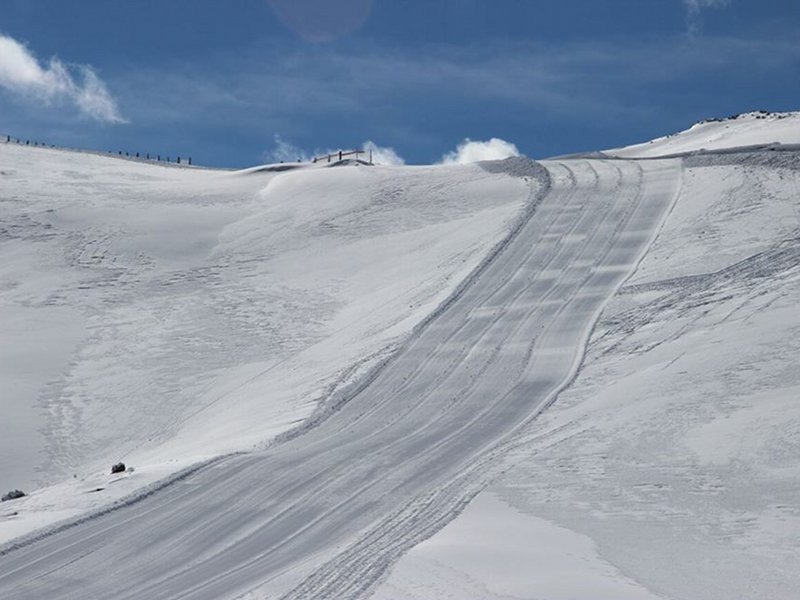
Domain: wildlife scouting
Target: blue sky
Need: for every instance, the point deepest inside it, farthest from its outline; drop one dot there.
(231, 83)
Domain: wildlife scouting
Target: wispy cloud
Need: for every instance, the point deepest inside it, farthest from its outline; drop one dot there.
(22, 74)
(694, 9)
(590, 77)
(470, 151)
(395, 94)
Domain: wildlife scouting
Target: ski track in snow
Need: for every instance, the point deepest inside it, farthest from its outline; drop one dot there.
(324, 513)
(675, 450)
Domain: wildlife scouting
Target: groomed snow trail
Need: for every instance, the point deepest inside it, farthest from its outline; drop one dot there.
(323, 514)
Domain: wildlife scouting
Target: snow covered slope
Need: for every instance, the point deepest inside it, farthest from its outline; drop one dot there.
(748, 129)
(648, 305)
(163, 316)
(322, 514)
(671, 467)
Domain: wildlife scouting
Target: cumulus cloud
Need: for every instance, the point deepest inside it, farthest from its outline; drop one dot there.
(694, 8)
(21, 73)
(383, 155)
(469, 151)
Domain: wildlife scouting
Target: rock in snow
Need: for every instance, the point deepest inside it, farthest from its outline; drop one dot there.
(12, 495)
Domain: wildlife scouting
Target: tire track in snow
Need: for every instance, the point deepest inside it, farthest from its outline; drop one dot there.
(325, 512)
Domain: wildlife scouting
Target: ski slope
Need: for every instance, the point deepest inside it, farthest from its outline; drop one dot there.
(324, 511)
(670, 467)
(390, 441)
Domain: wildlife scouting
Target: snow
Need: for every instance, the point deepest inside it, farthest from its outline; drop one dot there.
(163, 316)
(494, 552)
(324, 512)
(676, 448)
(748, 129)
(484, 381)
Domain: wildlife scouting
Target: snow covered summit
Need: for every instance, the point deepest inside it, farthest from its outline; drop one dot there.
(759, 128)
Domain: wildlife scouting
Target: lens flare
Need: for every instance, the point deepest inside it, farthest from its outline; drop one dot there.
(322, 20)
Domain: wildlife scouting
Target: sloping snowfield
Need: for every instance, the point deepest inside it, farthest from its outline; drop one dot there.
(670, 468)
(163, 316)
(318, 372)
(751, 129)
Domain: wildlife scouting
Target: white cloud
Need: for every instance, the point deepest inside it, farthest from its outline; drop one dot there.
(21, 73)
(470, 152)
(695, 7)
(591, 81)
(383, 156)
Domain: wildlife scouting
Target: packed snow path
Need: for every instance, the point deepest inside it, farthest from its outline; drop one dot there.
(324, 513)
